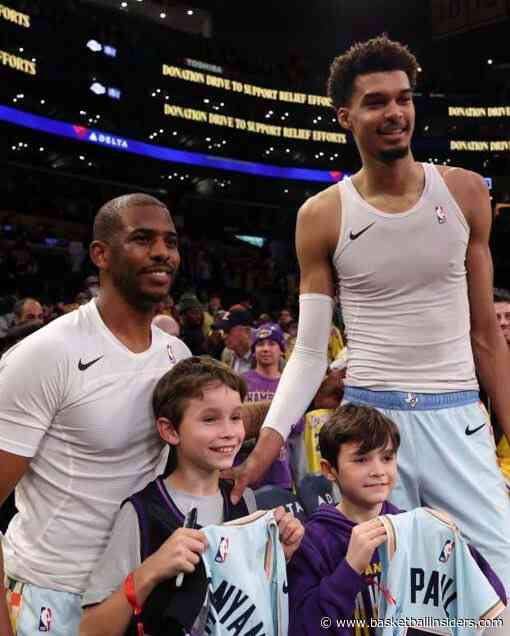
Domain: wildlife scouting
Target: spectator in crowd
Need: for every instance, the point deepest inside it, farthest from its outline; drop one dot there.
(502, 308)
(27, 309)
(285, 319)
(210, 315)
(268, 348)
(92, 286)
(236, 324)
(192, 318)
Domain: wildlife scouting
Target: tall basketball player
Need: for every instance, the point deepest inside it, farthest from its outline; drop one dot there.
(408, 243)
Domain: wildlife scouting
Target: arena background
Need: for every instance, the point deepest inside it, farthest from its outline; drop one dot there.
(219, 109)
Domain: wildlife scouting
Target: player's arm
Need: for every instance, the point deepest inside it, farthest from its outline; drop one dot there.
(489, 346)
(317, 233)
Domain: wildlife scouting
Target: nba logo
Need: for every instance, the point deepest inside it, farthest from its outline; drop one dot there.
(171, 355)
(441, 214)
(221, 555)
(447, 550)
(45, 619)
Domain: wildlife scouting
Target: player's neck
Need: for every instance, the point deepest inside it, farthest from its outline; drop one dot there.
(397, 178)
(356, 513)
(194, 481)
(271, 372)
(130, 325)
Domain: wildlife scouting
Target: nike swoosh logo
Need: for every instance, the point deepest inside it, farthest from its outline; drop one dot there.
(82, 366)
(472, 431)
(354, 236)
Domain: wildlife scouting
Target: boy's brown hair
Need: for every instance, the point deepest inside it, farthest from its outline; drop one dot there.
(362, 424)
(187, 380)
(379, 54)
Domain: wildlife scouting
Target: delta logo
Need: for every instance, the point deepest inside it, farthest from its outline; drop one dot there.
(81, 131)
(108, 140)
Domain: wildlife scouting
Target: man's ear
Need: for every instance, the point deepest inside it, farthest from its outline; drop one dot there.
(328, 471)
(99, 252)
(167, 431)
(344, 118)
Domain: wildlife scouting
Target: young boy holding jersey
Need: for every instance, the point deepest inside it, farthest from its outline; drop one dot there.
(197, 406)
(335, 573)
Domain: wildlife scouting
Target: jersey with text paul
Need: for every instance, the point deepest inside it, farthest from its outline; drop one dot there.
(431, 585)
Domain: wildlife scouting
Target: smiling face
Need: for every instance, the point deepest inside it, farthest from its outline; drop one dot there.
(381, 115)
(211, 431)
(365, 480)
(142, 258)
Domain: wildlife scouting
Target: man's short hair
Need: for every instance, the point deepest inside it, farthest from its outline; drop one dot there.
(377, 55)
(501, 295)
(353, 423)
(188, 379)
(108, 221)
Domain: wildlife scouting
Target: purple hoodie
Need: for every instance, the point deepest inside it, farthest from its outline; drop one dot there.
(323, 584)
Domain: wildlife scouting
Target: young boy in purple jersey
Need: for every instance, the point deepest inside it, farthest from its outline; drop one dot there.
(335, 574)
(268, 345)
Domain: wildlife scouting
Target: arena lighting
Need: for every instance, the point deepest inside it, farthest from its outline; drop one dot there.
(115, 142)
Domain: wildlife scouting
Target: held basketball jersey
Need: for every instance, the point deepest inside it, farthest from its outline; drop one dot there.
(247, 578)
(431, 584)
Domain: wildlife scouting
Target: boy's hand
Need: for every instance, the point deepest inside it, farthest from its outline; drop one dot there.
(291, 531)
(365, 538)
(180, 553)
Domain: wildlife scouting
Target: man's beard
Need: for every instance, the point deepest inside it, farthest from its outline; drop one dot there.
(126, 283)
(393, 154)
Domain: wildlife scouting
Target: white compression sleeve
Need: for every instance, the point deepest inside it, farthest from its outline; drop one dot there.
(307, 365)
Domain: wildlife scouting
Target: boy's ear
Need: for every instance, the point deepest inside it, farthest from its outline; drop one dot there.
(328, 471)
(167, 431)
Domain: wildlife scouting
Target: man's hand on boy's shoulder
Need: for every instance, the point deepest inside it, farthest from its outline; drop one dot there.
(180, 553)
(365, 538)
(291, 531)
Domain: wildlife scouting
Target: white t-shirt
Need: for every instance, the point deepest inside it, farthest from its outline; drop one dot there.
(77, 401)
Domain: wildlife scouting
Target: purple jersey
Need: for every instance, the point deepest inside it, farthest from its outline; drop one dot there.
(279, 474)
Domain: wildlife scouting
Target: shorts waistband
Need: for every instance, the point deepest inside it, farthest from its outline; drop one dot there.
(408, 400)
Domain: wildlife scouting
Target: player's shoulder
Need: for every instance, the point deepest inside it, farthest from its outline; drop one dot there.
(321, 205)
(176, 347)
(461, 178)
(319, 217)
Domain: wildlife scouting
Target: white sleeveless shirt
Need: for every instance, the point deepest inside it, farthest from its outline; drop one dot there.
(403, 292)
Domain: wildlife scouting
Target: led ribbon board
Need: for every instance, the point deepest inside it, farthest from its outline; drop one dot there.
(100, 138)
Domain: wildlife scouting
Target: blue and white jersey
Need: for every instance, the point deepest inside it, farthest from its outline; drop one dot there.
(247, 578)
(431, 584)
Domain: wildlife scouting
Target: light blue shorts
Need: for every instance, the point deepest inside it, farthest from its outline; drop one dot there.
(447, 460)
(36, 610)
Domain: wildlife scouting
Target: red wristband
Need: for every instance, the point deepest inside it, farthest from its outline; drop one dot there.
(129, 591)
